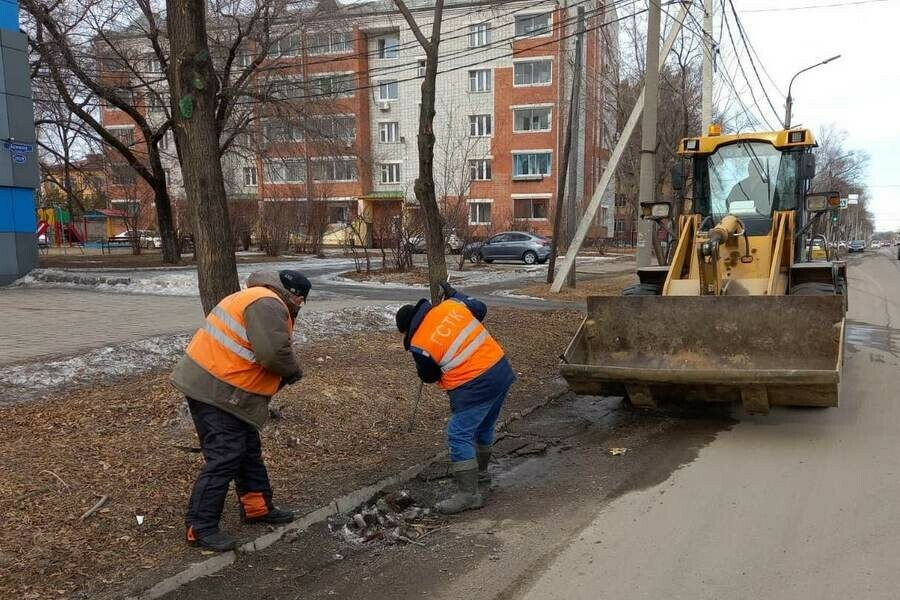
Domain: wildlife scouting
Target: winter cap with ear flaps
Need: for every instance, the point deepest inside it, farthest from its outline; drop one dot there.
(405, 317)
(295, 282)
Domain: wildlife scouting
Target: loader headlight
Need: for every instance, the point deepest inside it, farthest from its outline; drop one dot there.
(817, 202)
(655, 210)
(692, 145)
(796, 137)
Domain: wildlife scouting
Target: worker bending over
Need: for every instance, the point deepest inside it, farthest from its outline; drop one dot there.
(232, 367)
(452, 348)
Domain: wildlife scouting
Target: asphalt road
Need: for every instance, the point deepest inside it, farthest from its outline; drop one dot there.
(799, 504)
(707, 503)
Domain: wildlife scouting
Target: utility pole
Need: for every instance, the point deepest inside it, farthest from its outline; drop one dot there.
(568, 169)
(609, 172)
(647, 189)
(708, 60)
(571, 205)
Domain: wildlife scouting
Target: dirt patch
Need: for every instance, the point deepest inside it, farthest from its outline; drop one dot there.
(343, 426)
(411, 277)
(603, 285)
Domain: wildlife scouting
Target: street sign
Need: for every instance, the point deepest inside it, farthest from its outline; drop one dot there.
(844, 202)
(18, 147)
(18, 158)
(852, 200)
(853, 197)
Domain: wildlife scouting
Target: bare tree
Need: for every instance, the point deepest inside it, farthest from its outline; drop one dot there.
(424, 186)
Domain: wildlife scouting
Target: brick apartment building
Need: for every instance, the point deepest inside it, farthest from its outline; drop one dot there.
(341, 125)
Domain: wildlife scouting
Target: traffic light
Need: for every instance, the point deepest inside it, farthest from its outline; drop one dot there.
(834, 216)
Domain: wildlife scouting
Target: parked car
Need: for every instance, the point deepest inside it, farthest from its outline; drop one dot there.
(452, 243)
(857, 246)
(876, 244)
(510, 245)
(148, 238)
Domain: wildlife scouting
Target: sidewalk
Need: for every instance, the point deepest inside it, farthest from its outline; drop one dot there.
(42, 323)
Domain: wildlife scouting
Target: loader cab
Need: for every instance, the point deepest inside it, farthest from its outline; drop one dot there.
(749, 176)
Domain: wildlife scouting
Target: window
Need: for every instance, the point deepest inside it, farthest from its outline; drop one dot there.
(124, 135)
(388, 46)
(284, 88)
(390, 173)
(132, 208)
(289, 45)
(281, 130)
(153, 66)
(333, 85)
(621, 201)
(531, 165)
(164, 141)
(479, 35)
(530, 208)
(531, 119)
(334, 42)
(480, 169)
(334, 169)
(389, 133)
(157, 102)
(250, 176)
(123, 175)
(420, 71)
(532, 25)
(388, 90)
(242, 59)
(532, 72)
(339, 214)
(124, 95)
(330, 128)
(480, 80)
(479, 125)
(285, 171)
(619, 225)
(479, 212)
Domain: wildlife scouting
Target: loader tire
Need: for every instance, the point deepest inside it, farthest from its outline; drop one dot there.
(813, 288)
(642, 289)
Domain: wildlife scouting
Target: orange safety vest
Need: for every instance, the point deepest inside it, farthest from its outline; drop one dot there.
(222, 348)
(453, 338)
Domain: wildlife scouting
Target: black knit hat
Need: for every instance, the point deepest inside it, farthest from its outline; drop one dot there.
(295, 282)
(405, 317)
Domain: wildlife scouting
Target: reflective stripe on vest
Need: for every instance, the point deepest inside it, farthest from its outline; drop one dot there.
(222, 347)
(460, 345)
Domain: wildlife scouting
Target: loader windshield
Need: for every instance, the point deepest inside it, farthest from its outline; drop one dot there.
(749, 180)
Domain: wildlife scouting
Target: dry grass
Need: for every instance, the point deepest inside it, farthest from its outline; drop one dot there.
(415, 276)
(604, 285)
(343, 426)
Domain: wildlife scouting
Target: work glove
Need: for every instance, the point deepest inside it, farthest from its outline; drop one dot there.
(449, 290)
(292, 379)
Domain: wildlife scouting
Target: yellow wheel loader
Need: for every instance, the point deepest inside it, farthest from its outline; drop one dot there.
(739, 311)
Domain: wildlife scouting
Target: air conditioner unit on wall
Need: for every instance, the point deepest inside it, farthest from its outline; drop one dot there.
(384, 106)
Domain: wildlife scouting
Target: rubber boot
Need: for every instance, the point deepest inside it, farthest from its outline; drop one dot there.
(275, 516)
(218, 541)
(467, 496)
(483, 455)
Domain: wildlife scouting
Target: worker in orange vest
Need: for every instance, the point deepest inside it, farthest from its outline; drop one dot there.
(451, 347)
(232, 367)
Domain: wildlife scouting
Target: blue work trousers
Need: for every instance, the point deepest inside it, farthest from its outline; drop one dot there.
(475, 411)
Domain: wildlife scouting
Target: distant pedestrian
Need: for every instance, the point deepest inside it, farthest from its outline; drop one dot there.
(232, 367)
(451, 347)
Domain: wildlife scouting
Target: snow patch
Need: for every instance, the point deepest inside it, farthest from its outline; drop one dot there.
(317, 325)
(512, 294)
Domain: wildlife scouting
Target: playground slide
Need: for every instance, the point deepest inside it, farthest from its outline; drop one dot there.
(74, 236)
(43, 226)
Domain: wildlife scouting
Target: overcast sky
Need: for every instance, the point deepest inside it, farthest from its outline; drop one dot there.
(860, 92)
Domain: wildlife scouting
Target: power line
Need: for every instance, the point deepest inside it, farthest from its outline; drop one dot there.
(513, 53)
(746, 42)
(813, 6)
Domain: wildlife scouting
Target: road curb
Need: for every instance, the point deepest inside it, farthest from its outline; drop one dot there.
(335, 507)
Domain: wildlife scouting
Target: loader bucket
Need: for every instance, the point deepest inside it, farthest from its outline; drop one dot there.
(760, 350)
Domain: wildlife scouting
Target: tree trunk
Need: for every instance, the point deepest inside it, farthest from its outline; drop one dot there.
(166, 224)
(194, 85)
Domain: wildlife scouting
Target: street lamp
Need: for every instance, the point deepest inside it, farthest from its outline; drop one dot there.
(787, 110)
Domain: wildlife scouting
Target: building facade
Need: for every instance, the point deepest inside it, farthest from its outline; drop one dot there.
(335, 131)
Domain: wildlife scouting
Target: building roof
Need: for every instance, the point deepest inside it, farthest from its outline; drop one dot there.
(104, 213)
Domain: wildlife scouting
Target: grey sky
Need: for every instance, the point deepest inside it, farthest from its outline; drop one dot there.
(859, 92)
